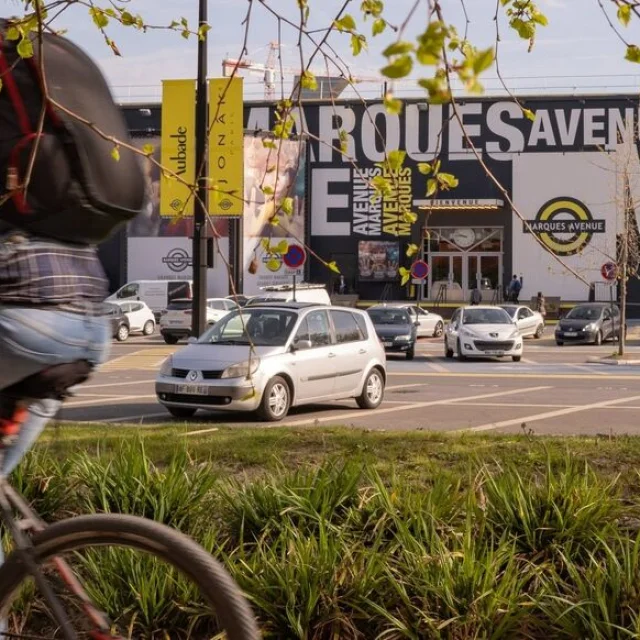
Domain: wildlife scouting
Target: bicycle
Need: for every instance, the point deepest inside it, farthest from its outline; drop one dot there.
(39, 547)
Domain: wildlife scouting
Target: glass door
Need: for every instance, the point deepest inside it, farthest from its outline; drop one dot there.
(447, 273)
(483, 271)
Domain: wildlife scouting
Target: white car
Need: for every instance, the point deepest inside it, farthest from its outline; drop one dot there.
(428, 324)
(176, 321)
(530, 322)
(482, 331)
(140, 316)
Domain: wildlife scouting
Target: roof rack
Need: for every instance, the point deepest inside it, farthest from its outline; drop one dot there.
(289, 287)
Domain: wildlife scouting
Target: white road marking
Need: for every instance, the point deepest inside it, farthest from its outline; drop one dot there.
(605, 404)
(111, 384)
(409, 407)
(407, 386)
(138, 417)
(86, 403)
(196, 433)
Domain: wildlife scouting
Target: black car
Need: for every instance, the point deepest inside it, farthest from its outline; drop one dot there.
(594, 323)
(120, 326)
(396, 330)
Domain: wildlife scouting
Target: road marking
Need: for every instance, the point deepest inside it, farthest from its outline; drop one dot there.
(407, 386)
(83, 403)
(435, 366)
(546, 376)
(527, 361)
(605, 404)
(200, 431)
(583, 367)
(138, 417)
(143, 359)
(109, 384)
(409, 407)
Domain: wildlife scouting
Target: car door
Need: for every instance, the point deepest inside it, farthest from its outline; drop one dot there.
(526, 322)
(607, 324)
(314, 364)
(137, 316)
(451, 334)
(352, 353)
(427, 322)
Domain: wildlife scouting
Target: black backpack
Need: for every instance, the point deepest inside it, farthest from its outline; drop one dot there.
(77, 191)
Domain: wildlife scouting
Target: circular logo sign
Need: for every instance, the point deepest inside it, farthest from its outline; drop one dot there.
(419, 270)
(177, 260)
(295, 256)
(609, 271)
(565, 225)
(273, 261)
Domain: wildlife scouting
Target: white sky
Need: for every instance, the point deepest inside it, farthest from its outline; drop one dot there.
(577, 45)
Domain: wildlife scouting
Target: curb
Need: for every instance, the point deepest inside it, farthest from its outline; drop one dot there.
(612, 361)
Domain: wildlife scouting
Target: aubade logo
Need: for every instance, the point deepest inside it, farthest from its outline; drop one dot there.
(565, 225)
(177, 260)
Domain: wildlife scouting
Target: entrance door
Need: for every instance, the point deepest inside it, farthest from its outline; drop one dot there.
(483, 271)
(447, 271)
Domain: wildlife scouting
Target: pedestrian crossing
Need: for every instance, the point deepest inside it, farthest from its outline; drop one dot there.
(143, 360)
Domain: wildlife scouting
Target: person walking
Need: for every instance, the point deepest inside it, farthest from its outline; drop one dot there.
(540, 304)
(476, 297)
(514, 289)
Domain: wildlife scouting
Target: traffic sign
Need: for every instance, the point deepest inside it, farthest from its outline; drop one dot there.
(609, 271)
(295, 257)
(419, 270)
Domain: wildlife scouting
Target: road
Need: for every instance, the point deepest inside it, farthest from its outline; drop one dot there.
(552, 391)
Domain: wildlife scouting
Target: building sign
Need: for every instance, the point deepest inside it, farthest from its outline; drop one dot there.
(565, 225)
(226, 161)
(178, 147)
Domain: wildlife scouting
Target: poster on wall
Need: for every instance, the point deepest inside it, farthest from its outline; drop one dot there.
(282, 170)
(378, 260)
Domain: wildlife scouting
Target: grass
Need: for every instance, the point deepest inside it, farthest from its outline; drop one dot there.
(360, 535)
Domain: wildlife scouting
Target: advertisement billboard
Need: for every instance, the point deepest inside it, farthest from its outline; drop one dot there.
(378, 261)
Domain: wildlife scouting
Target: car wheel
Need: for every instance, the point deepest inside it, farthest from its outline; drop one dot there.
(559, 343)
(276, 400)
(170, 339)
(373, 391)
(598, 339)
(517, 358)
(539, 331)
(181, 412)
(411, 353)
(461, 355)
(123, 333)
(437, 332)
(448, 353)
(148, 328)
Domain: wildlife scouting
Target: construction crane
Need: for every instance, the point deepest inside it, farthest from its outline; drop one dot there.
(270, 71)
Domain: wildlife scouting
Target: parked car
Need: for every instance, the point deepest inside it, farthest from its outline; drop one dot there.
(395, 328)
(530, 322)
(119, 322)
(141, 318)
(594, 323)
(482, 331)
(176, 320)
(429, 324)
(157, 294)
(313, 293)
(240, 299)
(301, 354)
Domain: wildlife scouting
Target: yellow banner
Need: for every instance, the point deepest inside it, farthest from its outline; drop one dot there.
(178, 153)
(226, 147)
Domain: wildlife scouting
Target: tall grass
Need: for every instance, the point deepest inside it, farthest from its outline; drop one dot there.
(338, 552)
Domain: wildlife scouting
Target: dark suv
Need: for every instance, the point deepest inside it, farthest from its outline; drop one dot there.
(593, 322)
(120, 327)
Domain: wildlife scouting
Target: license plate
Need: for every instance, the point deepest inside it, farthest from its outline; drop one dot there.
(173, 323)
(192, 389)
(388, 344)
(494, 353)
(570, 334)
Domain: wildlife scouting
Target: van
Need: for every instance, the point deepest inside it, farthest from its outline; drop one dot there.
(156, 293)
(313, 293)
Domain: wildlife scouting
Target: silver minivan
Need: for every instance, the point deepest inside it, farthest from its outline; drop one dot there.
(272, 357)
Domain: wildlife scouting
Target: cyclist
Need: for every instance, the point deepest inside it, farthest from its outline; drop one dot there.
(50, 313)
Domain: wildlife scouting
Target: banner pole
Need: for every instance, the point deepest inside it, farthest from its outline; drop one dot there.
(199, 317)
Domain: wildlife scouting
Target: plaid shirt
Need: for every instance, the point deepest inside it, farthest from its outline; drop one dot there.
(36, 271)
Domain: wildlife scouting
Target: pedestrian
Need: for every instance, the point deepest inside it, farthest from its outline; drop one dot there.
(514, 288)
(476, 296)
(541, 305)
(342, 287)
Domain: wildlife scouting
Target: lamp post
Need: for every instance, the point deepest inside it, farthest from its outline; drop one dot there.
(199, 317)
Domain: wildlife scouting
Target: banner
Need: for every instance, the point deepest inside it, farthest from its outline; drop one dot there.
(226, 146)
(178, 146)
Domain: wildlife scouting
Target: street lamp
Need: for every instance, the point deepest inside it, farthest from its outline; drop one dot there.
(199, 317)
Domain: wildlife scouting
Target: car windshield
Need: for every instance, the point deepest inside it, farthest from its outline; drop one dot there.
(584, 313)
(486, 316)
(389, 316)
(511, 311)
(259, 327)
(180, 305)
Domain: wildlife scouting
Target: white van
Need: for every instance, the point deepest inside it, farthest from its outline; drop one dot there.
(156, 293)
(316, 293)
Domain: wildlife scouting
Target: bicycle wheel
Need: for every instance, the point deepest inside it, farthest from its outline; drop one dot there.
(188, 565)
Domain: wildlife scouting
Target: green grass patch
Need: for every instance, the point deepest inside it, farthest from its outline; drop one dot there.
(355, 534)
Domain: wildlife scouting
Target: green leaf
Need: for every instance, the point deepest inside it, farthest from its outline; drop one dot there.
(408, 216)
(540, 19)
(399, 68)
(381, 185)
(333, 266)
(268, 144)
(148, 149)
(282, 247)
(526, 30)
(358, 43)
(432, 186)
(127, 19)
(398, 48)
(529, 114)
(346, 23)
(344, 144)
(405, 275)
(274, 221)
(395, 159)
(483, 60)
(448, 181)
(412, 249)
(273, 264)
(13, 33)
(287, 206)
(392, 105)
(265, 244)
(203, 30)
(25, 48)
(624, 14)
(99, 17)
(115, 153)
(308, 80)
(379, 26)
(267, 190)
(424, 168)
(633, 53)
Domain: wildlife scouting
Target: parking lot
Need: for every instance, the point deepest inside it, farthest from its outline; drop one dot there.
(554, 390)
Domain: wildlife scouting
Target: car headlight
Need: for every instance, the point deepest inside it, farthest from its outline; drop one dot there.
(514, 334)
(167, 367)
(404, 337)
(467, 333)
(590, 327)
(242, 369)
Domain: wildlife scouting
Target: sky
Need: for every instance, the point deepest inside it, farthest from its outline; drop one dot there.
(577, 52)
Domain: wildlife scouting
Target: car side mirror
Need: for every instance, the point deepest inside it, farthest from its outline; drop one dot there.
(301, 345)
(192, 340)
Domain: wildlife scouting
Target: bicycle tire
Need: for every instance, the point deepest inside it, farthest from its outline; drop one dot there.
(81, 532)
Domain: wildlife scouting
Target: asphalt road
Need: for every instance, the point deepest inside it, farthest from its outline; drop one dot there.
(553, 390)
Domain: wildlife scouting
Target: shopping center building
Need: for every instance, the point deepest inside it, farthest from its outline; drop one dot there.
(542, 198)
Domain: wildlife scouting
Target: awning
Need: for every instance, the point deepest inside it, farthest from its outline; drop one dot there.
(459, 203)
